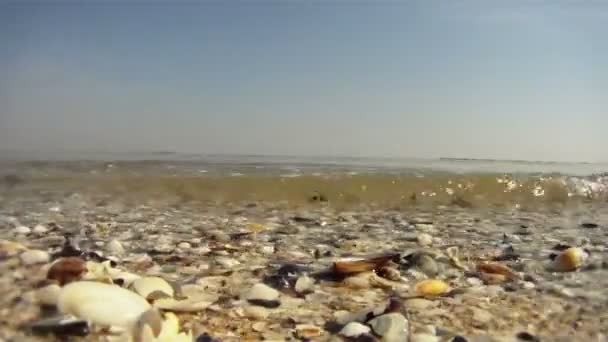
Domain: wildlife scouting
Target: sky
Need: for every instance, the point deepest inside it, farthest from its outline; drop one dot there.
(476, 79)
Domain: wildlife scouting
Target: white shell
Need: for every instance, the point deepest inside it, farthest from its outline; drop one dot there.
(184, 305)
(101, 304)
(146, 285)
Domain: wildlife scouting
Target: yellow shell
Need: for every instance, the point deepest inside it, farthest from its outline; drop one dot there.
(431, 288)
(570, 259)
(256, 227)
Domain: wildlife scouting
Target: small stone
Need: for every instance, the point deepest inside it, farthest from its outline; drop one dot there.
(40, 229)
(354, 329)
(263, 295)
(22, 230)
(184, 245)
(427, 265)
(481, 317)
(33, 256)
(424, 338)
(256, 312)
(114, 247)
(392, 327)
(425, 240)
(304, 284)
(227, 262)
(267, 250)
(306, 331)
(420, 304)
(474, 281)
(48, 295)
(259, 326)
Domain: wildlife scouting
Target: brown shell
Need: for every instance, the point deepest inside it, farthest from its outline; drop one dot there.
(67, 270)
(365, 264)
(497, 269)
(492, 278)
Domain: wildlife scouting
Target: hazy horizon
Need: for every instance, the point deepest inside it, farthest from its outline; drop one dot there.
(419, 79)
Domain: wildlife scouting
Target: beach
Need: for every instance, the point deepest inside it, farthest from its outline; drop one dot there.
(282, 250)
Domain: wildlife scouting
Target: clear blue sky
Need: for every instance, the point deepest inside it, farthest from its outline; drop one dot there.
(487, 79)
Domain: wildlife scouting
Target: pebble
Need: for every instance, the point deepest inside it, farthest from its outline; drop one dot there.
(481, 317)
(34, 256)
(304, 284)
(114, 247)
(256, 312)
(354, 329)
(420, 304)
(263, 295)
(392, 327)
(227, 262)
(22, 230)
(40, 229)
(425, 240)
(184, 245)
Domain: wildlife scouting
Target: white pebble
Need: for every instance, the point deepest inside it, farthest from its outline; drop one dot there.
(262, 292)
(425, 240)
(22, 230)
(40, 229)
(354, 329)
(33, 256)
(184, 245)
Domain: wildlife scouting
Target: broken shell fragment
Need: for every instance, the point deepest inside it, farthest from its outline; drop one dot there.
(431, 288)
(150, 320)
(148, 285)
(67, 270)
(570, 259)
(150, 328)
(184, 305)
(357, 265)
(101, 304)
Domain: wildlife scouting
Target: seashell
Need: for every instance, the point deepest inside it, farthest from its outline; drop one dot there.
(150, 320)
(124, 279)
(193, 304)
(357, 265)
(101, 304)
(431, 288)
(492, 278)
(570, 259)
(389, 273)
(149, 329)
(99, 271)
(67, 270)
(496, 268)
(308, 331)
(452, 253)
(147, 285)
